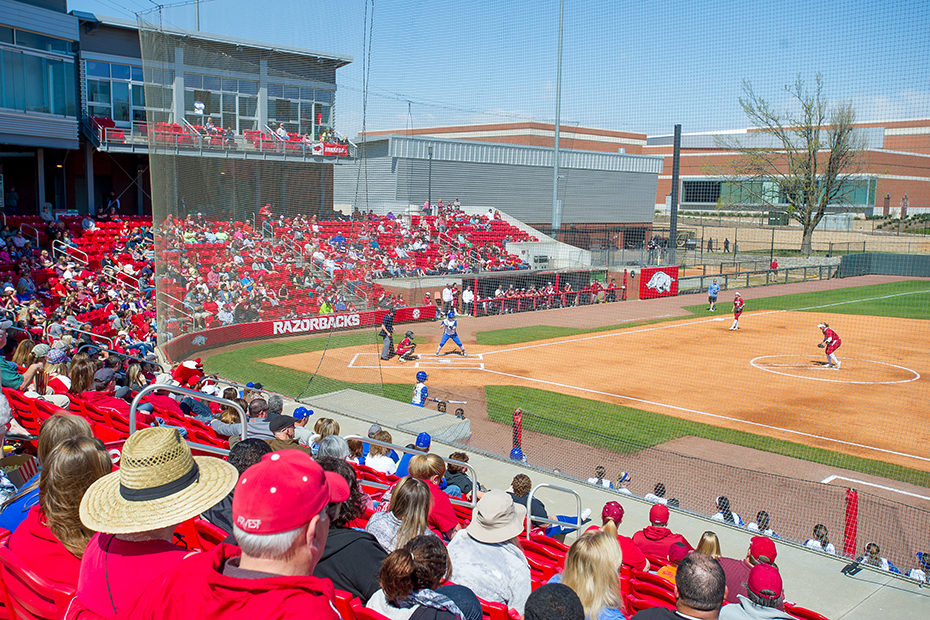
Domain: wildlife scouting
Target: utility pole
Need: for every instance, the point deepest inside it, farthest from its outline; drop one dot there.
(673, 219)
(556, 203)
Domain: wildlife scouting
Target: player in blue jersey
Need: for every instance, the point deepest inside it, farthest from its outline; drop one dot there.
(449, 327)
(420, 393)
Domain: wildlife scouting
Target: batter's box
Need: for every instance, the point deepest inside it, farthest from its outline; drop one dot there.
(445, 362)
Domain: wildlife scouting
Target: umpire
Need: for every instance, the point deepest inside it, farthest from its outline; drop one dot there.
(387, 332)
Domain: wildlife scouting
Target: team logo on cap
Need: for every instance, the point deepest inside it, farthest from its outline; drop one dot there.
(248, 524)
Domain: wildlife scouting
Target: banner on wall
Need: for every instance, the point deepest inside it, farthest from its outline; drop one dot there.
(658, 282)
(184, 346)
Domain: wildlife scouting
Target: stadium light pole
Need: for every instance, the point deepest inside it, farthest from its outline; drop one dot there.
(556, 203)
(429, 190)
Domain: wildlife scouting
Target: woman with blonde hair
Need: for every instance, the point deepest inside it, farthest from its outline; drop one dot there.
(323, 428)
(430, 469)
(407, 517)
(710, 545)
(592, 571)
(52, 539)
(22, 356)
(82, 375)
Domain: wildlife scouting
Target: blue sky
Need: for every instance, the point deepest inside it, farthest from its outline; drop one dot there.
(627, 66)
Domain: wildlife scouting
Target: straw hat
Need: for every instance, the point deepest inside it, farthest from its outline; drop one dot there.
(497, 518)
(159, 483)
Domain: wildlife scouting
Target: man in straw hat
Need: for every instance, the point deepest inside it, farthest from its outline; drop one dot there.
(136, 510)
(282, 509)
(485, 557)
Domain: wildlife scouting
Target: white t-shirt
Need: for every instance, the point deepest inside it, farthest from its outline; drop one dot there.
(655, 499)
(815, 544)
(382, 463)
(379, 603)
(755, 528)
(607, 484)
(736, 518)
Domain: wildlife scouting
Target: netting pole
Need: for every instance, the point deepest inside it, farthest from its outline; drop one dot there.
(518, 428)
(850, 532)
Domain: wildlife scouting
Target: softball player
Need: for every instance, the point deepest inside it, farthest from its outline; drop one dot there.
(737, 310)
(832, 342)
(407, 348)
(420, 393)
(449, 326)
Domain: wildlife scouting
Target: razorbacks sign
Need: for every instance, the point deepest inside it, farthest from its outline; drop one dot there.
(297, 326)
(658, 282)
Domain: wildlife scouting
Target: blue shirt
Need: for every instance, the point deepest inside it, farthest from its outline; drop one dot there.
(403, 465)
(713, 289)
(16, 512)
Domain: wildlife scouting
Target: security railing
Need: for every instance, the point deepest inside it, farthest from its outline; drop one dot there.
(530, 519)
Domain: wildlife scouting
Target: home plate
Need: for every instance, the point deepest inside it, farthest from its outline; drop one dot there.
(719, 318)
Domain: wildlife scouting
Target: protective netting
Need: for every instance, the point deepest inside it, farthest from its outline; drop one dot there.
(281, 244)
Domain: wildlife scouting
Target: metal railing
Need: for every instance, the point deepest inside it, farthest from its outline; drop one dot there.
(65, 327)
(267, 228)
(529, 503)
(85, 347)
(177, 309)
(61, 248)
(194, 394)
(35, 232)
(471, 470)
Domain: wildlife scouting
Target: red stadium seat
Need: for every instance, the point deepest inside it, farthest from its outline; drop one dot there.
(803, 613)
(360, 612)
(30, 595)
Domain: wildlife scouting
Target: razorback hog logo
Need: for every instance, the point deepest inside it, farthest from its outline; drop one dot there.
(199, 341)
(661, 282)
(296, 326)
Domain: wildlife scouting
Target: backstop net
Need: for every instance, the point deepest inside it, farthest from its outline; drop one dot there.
(283, 238)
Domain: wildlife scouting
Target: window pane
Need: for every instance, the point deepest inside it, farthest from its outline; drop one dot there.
(42, 42)
(121, 105)
(306, 94)
(193, 80)
(323, 96)
(248, 87)
(136, 74)
(138, 95)
(98, 91)
(275, 90)
(188, 101)
(291, 92)
(211, 83)
(119, 72)
(36, 84)
(138, 116)
(247, 124)
(230, 86)
(159, 76)
(98, 69)
(324, 114)
(229, 104)
(98, 111)
(6, 35)
(248, 106)
(306, 111)
(14, 81)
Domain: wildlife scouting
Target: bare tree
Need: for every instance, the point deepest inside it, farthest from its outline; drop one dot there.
(795, 162)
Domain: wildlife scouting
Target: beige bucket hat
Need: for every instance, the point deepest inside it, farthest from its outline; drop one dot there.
(159, 483)
(497, 518)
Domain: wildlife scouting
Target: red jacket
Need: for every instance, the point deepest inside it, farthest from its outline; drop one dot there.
(41, 551)
(655, 540)
(196, 588)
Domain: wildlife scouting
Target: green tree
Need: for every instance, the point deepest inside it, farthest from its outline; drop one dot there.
(797, 161)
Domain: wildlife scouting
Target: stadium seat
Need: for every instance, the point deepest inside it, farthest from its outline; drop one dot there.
(29, 595)
(497, 611)
(344, 604)
(360, 612)
(803, 613)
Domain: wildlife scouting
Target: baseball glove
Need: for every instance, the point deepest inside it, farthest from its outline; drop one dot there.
(821, 345)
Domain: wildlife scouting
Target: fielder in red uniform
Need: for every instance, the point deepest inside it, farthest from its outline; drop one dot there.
(832, 342)
(737, 310)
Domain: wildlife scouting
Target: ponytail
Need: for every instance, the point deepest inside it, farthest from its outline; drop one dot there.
(723, 505)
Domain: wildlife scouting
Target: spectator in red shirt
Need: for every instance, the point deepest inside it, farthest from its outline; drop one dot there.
(282, 509)
(655, 540)
(136, 510)
(52, 539)
(102, 396)
(761, 551)
(612, 517)
(430, 469)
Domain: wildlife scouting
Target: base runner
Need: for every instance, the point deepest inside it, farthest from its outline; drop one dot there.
(832, 342)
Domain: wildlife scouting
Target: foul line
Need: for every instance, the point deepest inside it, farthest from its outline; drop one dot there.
(694, 322)
(710, 415)
(830, 479)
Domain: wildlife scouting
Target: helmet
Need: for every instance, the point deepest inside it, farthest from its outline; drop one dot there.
(516, 454)
(421, 376)
(409, 335)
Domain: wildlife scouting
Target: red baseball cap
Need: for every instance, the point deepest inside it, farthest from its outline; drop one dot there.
(658, 514)
(612, 511)
(283, 491)
(678, 552)
(765, 581)
(762, 549)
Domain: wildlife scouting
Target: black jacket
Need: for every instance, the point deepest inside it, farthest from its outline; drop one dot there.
(352, 560)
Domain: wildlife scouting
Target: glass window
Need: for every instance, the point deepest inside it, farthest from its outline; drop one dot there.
(61, 81)
(158, 96)
(6, 35)
(230, 86)
(193, 80)
(275, 90)
(291, 92)
(42, 42)
(306, 94)
(99, 111)
(211, 83)
(14, 80)
(247, 124)
(286, 111)
(323, 114)
(136, 74)
(158, 76)
(121, 105)
(700, 192)
(36, 83)
(229, 104)
(248, 87)
(323, 96)
(97, 69)
(211, 101)
(138, 95)
(138, 116)
(119, 72)
(248, 106)
(98, 91)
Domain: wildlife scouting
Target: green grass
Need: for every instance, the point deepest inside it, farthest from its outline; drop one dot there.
(532, 333)
(911, 301)
(627, 430)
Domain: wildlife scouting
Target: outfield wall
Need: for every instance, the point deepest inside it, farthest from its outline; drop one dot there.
(910, 265)
(185, 346)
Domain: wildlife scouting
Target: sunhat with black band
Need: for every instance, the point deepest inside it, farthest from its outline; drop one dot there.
(159, 483)
(497, 518)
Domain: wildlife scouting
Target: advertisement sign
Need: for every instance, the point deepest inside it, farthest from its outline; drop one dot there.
(658, 282)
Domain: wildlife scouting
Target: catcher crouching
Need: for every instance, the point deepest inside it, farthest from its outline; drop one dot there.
(407, 348)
